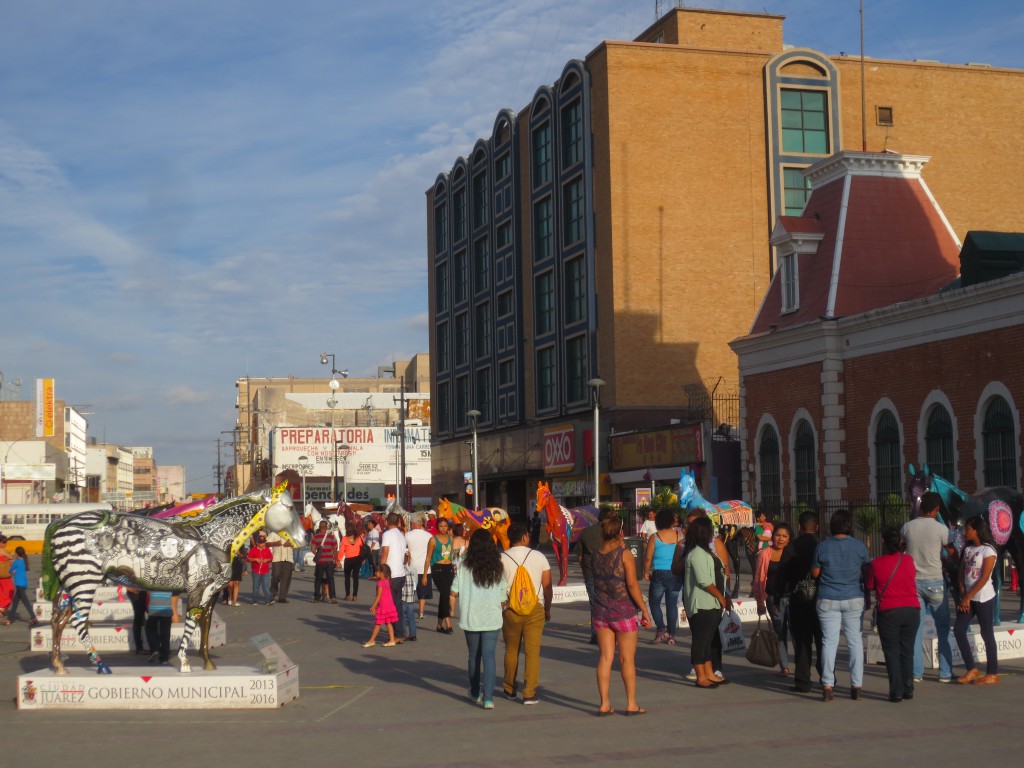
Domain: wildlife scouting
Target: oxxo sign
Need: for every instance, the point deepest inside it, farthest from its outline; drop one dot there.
(559, 449)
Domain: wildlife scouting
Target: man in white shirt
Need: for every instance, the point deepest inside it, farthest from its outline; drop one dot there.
(649, 528)
(926, 539)
(529, 628)
(394, 553)
(418, 540)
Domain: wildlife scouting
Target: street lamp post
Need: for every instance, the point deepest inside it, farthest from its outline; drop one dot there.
(3, 468)
(332, 402)
(473, 416)
(303, 464)
(597, 384)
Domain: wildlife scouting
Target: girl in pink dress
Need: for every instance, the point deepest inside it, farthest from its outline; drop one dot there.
(384, 608)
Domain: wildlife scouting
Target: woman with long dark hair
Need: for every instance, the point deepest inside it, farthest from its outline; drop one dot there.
(439, 564)
(480, 587)
(770, 587)
(665, 585)
(978, 598)
(893, 576)
(839, 564)
(702, 597)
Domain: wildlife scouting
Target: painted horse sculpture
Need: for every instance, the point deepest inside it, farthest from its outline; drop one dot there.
(493, 520)
(182, 555)
(564, 526)
(1001, 507)
(737, 513)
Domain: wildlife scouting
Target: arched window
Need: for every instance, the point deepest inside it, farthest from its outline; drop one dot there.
(1000, 451)
(771, 470)
(805, 464)
(938, 443)
(887, 456)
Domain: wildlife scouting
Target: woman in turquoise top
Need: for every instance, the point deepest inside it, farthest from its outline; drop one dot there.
(481, 589)
(703, 599)
(19, 573)
(665, 585)
(441, 566)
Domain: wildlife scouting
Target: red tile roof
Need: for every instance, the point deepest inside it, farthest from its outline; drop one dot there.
(886, 242)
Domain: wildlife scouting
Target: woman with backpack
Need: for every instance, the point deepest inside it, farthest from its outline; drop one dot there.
(617, 598)
(978, 598)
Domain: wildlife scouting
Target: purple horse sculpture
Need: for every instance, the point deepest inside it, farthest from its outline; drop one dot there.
(1001, 507)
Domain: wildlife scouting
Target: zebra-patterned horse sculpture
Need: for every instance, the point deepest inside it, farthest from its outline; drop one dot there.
(190, 556)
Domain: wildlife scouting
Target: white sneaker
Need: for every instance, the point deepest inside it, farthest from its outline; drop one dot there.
(692, 675)
(719, 675)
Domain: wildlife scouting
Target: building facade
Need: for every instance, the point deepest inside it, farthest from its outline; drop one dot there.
(617, 229)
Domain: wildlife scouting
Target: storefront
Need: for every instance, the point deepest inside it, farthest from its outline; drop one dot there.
(642, 461)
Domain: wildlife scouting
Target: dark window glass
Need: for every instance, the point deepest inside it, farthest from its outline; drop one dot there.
(543, 239)
(938, 441)
(459, 214)
(444, 409)
(805, 464)
(506, 372)
(576, 369)
(771, 470)
(442, 342)
(461, 339)
(887, 457)
(542, 154)
(545, 378)
(544, 303)
(461, 277)
(440, 228)
(484, 331)
(504, 234)
(804, 122)
(479, 200)
(484, 399)
(505, 304)
(572, 134)
(461, 402)
(575, 290)
(796, 188)
(503, 167)
(441, 287)
(482, 265)
(999, 445)
(573, 211)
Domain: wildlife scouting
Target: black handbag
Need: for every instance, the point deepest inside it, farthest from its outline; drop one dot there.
(763, 648)
(806, 589)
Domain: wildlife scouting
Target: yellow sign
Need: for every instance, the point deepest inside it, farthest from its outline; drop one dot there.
(44, 408)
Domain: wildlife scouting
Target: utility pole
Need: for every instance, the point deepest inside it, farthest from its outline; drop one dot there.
(400, 433)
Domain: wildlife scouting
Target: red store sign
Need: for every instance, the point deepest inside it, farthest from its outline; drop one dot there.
(559, 449)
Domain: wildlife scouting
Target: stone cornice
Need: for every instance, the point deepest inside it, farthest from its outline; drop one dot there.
(847, 163)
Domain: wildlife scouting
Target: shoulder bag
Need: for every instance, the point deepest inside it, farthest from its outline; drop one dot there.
(763, 648)
(874, 611)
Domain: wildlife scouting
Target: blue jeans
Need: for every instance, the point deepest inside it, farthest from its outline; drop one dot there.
(664, 585)
(407, 612)
(261, 582)
(933, 596)
(846, 616)
(481, 647)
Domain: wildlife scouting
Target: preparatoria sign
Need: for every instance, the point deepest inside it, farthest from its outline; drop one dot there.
(365, 454)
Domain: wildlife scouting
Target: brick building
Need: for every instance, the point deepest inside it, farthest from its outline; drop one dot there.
(617, 227)
(869, 352)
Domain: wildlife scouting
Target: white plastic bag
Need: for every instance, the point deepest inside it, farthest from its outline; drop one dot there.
(731, 631)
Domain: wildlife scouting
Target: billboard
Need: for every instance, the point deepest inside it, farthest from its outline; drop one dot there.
(44, 408)
(559, 449)
(365, 454)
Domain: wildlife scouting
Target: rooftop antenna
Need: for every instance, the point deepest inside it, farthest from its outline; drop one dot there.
(863, 99)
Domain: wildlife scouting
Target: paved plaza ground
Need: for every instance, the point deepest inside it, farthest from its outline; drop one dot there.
(408, 706)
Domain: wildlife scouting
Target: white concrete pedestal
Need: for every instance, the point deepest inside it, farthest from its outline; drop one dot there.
(109, 639)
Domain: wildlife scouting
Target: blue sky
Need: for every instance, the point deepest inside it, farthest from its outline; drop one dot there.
(191, 192)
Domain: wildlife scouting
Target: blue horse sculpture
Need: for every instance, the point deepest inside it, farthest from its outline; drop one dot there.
(737, 513)
(1001, 507)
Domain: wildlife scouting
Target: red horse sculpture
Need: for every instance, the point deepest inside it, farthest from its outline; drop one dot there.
(564, 526)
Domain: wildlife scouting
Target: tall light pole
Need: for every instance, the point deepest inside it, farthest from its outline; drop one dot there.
(597, 384)
(332, 401)
(344, 450)
(303, 467)
(473, 416)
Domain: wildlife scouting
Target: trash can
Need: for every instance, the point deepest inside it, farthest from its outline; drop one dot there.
(636, 545)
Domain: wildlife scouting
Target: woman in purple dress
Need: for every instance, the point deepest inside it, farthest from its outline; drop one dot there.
(617, 599)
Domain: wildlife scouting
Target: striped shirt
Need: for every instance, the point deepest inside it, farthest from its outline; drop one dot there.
(325, 545)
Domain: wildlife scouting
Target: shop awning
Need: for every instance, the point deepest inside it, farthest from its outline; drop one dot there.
(637, 475)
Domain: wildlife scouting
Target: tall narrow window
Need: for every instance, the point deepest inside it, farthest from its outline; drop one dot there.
(440, 228)
(484, 331)
(459, 214)
(544, 303)
(441, 287)
(482, 265)
(484, 399)
(444, 409)
(545, 378)
(938, 442)
(804, 122)
(771, 470)
(461, 339)
(887, 457)
(479, 200)
(461, 402)
(506, 373)
(576, 369)
(999, 445)
(572, 133)
(797, 188)
(442, 341)
(461, 277)
(575, 290)
(805, 464)
(542, 154)
(573, 212)
(788, 282)
(543, 245)
(503, 166)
